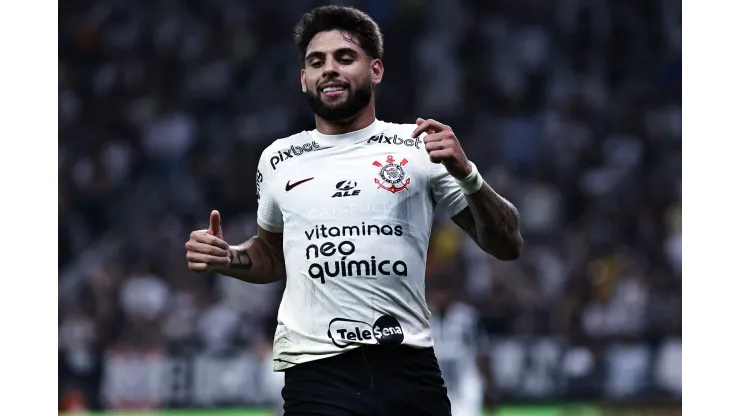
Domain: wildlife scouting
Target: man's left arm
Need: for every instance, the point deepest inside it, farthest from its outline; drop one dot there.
(493, 223)
(490, 220)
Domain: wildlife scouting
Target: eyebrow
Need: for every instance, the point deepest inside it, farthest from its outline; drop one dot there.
(340, 51)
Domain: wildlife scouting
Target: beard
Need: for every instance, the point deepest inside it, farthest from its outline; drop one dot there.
(334, 112)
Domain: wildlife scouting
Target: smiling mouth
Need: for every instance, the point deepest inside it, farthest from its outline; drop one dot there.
(333, 90)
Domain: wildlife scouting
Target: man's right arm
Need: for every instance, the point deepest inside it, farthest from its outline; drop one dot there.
(258, 260)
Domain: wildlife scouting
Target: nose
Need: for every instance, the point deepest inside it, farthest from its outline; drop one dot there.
(330, 68)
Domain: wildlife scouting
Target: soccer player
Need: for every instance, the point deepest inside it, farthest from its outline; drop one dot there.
(345, 214)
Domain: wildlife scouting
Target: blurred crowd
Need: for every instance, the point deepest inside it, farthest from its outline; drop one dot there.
(571, 108)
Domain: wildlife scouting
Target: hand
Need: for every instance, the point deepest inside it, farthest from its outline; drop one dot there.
(206, 250)
(443, 147)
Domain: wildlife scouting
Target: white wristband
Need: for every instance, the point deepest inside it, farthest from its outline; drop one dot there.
(471, 183)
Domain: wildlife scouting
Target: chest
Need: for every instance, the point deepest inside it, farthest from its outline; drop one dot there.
(369, 181)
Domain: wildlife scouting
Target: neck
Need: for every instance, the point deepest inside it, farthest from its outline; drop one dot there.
(363, 119)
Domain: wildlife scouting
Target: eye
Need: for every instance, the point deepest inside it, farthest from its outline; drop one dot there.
(347, 61)
(316, 64)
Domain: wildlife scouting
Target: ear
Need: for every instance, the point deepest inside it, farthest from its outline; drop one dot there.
(303, 80)
(377, 71)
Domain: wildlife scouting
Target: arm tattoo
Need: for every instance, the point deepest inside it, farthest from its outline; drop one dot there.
(493, 223)
(240, 259)
(502, 214)
(256, 261)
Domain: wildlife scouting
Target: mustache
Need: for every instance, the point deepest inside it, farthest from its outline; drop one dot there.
(345, 85)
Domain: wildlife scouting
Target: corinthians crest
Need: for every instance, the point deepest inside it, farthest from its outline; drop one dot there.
(392, 175)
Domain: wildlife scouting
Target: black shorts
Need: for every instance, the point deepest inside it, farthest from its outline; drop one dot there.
(370, 380)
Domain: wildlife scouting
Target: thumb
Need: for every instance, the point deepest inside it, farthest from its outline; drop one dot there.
(215, 228)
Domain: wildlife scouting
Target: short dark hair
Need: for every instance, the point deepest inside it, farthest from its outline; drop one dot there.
(343, 18)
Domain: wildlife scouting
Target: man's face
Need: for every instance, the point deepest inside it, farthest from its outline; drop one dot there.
(338, 76)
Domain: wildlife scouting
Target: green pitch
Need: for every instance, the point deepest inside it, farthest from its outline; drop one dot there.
(503, 411)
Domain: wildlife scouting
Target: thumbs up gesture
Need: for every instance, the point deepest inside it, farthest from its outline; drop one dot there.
(215, 228)
(206, 250)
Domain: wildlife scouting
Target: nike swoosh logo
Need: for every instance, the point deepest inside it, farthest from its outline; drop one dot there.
(289, 186)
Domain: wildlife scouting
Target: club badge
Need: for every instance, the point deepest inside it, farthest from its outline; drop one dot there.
(392, 175)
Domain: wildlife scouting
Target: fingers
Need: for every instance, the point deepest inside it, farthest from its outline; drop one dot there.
(422, 126)
(205, 267)
(437, 156)
(215, 228)
(202, 256)
(439, 141)
(199, 267)
(437, 145)
(211, 262)
(201, 248)
(205, 251)
(429, 126)
(203, 237)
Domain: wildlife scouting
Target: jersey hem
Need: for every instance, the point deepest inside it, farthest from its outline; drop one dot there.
(279, 365)
(459, 207)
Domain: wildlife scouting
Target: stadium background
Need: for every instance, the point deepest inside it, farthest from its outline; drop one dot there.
(571, 108)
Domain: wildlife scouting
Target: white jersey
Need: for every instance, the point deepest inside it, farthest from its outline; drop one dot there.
(356, 213)
(458, 338)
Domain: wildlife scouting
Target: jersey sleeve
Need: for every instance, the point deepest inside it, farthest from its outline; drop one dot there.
(445, 190)
(269, 215)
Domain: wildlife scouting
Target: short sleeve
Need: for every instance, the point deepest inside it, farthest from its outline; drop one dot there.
(269, 215)
(445, 190)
